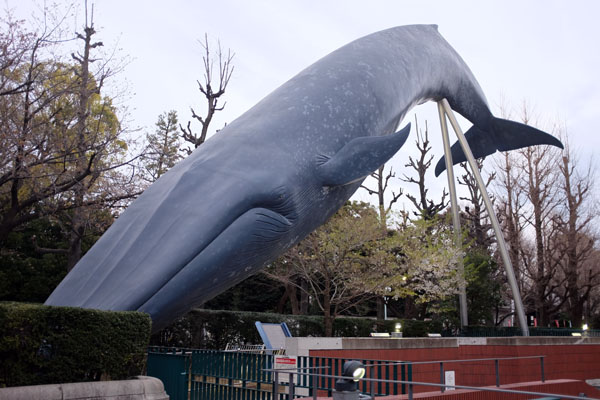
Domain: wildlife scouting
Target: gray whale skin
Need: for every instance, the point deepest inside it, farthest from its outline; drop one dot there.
(278, 172)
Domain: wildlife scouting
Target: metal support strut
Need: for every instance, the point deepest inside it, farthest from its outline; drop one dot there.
(445, 110)
(462, 295)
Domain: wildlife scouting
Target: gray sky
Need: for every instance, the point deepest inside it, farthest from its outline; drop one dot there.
(543, 52)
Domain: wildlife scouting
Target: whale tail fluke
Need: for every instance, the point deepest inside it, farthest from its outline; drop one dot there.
(503, 135)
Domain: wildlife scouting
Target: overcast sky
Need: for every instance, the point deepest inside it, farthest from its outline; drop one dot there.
(543, 52)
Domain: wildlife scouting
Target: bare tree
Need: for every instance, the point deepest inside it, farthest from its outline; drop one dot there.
(64, 147)
(510, 203)
(575, 242)
(86, 88)
(426, 208)
(383, 181)
(540, 167)
(23, 103)
(475, 213)
(212, 91)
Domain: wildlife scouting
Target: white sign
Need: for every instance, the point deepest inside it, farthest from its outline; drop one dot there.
(449, 379)
(286, 364)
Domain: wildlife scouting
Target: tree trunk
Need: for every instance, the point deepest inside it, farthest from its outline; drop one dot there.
(293, 296)
(304, 299)
(380, 308)
(75, 237)
(327, 316)
(410, 309)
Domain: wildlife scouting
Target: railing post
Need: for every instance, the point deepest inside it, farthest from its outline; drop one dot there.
(291, 387)
(497, 362)
(275, 385)
(371, 383)
(442, 380)
(410, 391)
(542, 366)
(315, 388)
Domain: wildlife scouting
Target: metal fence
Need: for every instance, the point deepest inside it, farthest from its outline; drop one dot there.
(172, 367)
(441, 387)
(220, 375)
(216, 374)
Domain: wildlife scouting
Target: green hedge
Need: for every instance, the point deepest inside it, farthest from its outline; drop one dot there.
(43, 344)
(501, 331)
(214, 329)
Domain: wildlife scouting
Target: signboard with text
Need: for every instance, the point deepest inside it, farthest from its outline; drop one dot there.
(286, 364)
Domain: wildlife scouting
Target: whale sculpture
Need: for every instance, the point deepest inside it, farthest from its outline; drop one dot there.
(277, 172)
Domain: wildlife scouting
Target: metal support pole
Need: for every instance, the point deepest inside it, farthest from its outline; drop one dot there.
(442, 378)
(462, 295)
(292, 386)
(497, 367)
(510, 273)
(542, 365)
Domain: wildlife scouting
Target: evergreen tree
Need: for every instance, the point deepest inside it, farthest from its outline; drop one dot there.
(162, 152)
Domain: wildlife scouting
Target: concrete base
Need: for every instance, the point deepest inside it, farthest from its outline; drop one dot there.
(301, 346)
(142, 388)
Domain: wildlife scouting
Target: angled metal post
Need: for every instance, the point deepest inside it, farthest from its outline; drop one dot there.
(510, 273)
(462, 295)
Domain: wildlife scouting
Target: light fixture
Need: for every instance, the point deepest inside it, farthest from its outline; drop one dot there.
(352, 372)
(398, 327)
(585, 327)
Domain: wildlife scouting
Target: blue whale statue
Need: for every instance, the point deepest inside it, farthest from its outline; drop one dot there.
(278, 172)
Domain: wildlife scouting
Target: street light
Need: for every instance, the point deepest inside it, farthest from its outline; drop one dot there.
(397, 330)
(352, 372)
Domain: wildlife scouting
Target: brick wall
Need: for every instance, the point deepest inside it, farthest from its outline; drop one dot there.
(565, 358)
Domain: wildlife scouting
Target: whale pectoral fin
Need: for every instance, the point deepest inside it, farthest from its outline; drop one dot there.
(504, 135)
(360, 157)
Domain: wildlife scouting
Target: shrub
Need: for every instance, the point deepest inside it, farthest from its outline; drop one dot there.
(214, 329)
(44, 344)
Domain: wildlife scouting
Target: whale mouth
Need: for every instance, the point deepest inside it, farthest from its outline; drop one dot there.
(235, 253)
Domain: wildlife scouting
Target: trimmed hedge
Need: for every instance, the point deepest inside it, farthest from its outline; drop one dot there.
(44, 344)
(502, 331)
(214, 329)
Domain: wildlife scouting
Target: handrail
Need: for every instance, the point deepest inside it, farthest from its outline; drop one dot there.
(442, 362)
(411, 383)
(467, 360)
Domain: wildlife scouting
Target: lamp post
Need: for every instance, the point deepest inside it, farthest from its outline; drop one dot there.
(397, 330)
(346, 388)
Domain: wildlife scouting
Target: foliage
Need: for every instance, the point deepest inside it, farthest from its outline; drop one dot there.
(162, 152)
(427, 261)
(62, 146)
(214, 329)
(43, 344)
(502, 331)
(256, 293)
(483, 287)
(337, 261)
(25, 274)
